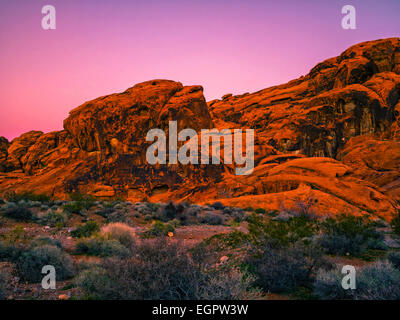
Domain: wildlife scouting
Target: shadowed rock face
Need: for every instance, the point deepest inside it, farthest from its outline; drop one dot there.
(331, 135)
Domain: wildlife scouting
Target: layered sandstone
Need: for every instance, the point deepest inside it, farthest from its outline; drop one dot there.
(333, 135)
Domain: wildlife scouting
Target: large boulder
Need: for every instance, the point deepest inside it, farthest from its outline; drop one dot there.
(118, 123)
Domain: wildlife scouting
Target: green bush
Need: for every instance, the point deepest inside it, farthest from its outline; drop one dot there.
(280, 232)
(79, 203)
(31, 262)
(153, 207)
(158, 229)
(101, 247)
(53, 218)
(16, 235)
(105, 212)
(86, 230)
(45, 241)
(347, 234)
(9, 252)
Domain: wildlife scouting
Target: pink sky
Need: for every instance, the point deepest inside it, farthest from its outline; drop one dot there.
(101, 47)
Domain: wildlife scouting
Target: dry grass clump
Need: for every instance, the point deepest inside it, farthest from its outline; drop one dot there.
(120, 232)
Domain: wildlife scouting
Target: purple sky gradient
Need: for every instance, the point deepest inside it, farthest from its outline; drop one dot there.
(101, 47)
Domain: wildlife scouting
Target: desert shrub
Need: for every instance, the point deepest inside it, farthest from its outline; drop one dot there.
(395, 223)
(273, 213)
(161, 271)
(231, 285)
(376, 244)
(238, 215)
(211, 218)
(349, 234)
(283, 269)
(328, 285)
(73, 207)
(79, 204)
(263, 232)
(168, 212)
(16, 197)
(17, 212)
(260, 211)
(95, 283)
(17, 235)
(121, 215)
(218, 206)
(9, 252)
(305, 206)
(249, 209)
(182, 212)
(378, 281)
(105, 212)
(341, 245)
(188, 216)
(175, 223)
(85, 230)
(45, 241)
(193, 211)
(123, 233)
(102, 247)
(158, 229)
(394, 258)
(31, 262)
(152, 207)
(53, 218)
(280, 232)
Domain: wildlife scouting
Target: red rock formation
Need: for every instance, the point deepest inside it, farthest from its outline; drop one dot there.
(332, 135)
